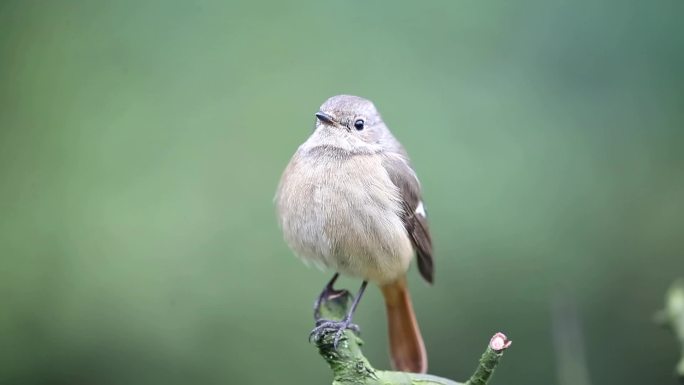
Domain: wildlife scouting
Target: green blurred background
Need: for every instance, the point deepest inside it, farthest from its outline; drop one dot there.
(141, 144)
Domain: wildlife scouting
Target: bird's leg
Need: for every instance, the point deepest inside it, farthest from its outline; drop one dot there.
(323, 326)
(327, 292)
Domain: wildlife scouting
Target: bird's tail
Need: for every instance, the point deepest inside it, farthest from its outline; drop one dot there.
(406, 343)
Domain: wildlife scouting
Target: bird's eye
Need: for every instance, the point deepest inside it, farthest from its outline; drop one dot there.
(358, 124)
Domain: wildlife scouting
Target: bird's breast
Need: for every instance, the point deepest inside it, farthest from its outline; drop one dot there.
(344, 212)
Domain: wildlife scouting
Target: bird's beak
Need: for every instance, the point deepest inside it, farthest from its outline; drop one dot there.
(325, 118)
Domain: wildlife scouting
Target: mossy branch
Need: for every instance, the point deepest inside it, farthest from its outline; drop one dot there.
(673, 317)
(350, 366)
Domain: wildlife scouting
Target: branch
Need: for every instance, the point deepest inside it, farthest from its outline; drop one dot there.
(350, 366)
(673, 317)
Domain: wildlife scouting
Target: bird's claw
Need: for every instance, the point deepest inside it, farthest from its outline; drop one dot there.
(324, 327)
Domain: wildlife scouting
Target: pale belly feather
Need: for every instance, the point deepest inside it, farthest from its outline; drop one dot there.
(352, 228)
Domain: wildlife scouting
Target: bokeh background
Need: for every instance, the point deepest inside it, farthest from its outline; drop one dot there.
(141, 143)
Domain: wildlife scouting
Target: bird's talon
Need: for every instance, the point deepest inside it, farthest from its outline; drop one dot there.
(326, 326)
(336, 341)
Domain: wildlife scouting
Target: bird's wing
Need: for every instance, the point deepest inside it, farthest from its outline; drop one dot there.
(414, 215)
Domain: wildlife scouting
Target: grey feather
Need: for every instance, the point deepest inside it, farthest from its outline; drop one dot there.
(403, 176)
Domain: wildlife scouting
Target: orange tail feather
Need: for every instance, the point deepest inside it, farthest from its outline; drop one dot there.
(406, 344)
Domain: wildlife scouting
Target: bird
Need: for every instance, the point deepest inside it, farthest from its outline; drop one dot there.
(349, 201)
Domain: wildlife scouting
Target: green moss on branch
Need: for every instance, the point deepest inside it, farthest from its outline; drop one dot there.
(350, 366)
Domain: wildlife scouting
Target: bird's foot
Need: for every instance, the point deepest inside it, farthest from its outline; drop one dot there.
(324, 327)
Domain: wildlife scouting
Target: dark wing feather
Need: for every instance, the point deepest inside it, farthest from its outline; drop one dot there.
(403, 176)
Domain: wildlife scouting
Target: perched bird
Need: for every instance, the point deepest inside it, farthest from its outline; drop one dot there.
(349, 201)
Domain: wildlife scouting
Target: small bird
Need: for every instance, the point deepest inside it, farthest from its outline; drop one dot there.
(349, 201)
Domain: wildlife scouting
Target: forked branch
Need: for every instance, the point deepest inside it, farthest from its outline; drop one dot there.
(350, 366)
